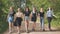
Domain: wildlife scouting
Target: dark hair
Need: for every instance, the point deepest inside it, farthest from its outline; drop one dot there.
(34, 8)
(48, 9)
(28, 8)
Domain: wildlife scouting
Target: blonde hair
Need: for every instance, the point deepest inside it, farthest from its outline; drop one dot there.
(41, 9)
(19, 9)
(11, 8)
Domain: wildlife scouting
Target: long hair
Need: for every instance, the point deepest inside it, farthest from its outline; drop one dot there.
(35, 8)
(27, 8)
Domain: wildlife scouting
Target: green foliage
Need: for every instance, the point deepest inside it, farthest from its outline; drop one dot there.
(5, 4)
(55, 4)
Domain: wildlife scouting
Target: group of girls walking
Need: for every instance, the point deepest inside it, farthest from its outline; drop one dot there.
(17, 18)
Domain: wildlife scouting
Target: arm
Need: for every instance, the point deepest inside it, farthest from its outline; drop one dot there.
(7, 17)
(22, 15)
(54, 15)
(30, 15)
(14, 17)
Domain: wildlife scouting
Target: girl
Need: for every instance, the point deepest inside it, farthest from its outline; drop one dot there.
(41, 14)
(18, 19)
(27, 14)
(49, 17)
(11, 18)
(34, 17)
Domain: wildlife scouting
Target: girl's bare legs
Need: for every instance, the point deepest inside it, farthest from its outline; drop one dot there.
(10, 27)
(18, 28)
(34, 25)
(26, 25)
